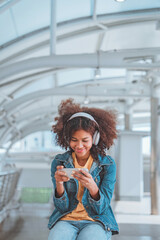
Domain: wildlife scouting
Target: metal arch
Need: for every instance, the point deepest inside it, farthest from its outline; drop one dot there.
(20, 134)
(29, 81)
(9, 120)
(51, 112)
(32, 77)
(15, 138)
(13, 92)
(10, 108)
(14, 126)
(32, 124)
(90, 81)
(112, 19)
(72, 84)
(31, 49)
(43, 123)
(34, 127)
(41, 45)
(109, 59)
(7, 5)
(37, 113)
(97, 81)
(60, 91)
(31, 121)
(28, 97)
(87, 81)
(30, 117)
(9, 129)
(31, 128)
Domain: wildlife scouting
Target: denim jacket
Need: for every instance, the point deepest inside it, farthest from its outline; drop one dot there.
(104, 174)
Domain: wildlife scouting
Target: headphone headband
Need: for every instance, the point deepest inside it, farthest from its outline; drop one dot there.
(96, 135)
(83, 114)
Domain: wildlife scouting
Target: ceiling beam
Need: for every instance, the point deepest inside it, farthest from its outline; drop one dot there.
(74, 92)
(36, 113)
(31, 128)
(31, 77)
(109, 59)
(53, 26)
(7, 5)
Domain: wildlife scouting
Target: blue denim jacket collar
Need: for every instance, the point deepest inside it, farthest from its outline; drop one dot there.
(66, 158)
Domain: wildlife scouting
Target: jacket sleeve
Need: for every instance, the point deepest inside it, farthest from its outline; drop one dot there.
(61, 203)
(106, 190)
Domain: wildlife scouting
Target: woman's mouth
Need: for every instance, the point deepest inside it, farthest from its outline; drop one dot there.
(79, 150)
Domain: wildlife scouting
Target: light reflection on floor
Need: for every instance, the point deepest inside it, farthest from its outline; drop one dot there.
(134, 219)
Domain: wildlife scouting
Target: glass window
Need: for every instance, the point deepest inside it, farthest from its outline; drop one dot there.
(105, 7)
(146, 145)
(31, 15)
(73, 76)
(39, 141)
(7, 30)
(72, 9)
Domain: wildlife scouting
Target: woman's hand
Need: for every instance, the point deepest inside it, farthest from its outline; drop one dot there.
(87, 181)
(60, 178)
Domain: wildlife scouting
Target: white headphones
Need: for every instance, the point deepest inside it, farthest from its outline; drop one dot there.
(96, 135)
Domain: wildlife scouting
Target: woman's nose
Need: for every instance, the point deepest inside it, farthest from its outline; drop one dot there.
(80, 144)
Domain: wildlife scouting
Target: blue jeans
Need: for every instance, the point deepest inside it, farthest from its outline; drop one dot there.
(79, 230)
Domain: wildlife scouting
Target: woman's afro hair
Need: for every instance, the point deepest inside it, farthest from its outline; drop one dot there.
(106, 119)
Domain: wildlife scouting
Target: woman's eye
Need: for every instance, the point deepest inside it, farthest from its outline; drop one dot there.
(74, 140)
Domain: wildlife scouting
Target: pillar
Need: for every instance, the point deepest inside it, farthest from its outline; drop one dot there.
(154, 164)
(129, 161)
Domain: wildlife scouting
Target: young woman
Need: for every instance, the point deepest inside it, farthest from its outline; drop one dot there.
(82, 202)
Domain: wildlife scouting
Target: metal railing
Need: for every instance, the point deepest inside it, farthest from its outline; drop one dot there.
(8, 184)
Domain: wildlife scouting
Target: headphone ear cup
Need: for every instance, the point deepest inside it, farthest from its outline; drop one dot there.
(96, 137)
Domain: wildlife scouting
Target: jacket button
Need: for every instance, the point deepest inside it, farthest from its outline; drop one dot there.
(108, 229)
(96, 179)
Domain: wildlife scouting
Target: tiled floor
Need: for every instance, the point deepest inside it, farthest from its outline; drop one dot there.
(35, 228)
(31, 223)
(26, 228)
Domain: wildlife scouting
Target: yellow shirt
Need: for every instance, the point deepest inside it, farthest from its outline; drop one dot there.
(79, 213)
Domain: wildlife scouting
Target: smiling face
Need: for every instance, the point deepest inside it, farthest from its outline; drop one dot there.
(81, 143)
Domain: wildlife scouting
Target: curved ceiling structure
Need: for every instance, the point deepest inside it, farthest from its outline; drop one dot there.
(102, 53)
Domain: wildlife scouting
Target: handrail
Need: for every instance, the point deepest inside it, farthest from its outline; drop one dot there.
(8, 184)
(7, 172)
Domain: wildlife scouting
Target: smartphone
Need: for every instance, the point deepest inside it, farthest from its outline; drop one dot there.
(69, 171)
